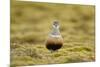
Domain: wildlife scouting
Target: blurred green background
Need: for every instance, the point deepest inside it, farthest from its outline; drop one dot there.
(31, 23)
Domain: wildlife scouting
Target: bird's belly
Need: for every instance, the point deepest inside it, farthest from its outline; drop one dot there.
(54, 44)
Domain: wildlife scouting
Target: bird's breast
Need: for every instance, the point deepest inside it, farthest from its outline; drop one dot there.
(55, 41)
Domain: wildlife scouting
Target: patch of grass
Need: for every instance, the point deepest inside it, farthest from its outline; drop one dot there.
(80, 48)
(21, 60)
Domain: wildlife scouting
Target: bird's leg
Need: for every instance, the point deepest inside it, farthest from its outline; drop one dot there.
(51, 51)
(56, 50)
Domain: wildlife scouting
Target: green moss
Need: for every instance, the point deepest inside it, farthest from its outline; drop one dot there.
(80, 48)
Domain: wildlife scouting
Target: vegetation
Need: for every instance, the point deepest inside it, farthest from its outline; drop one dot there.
(31, 23)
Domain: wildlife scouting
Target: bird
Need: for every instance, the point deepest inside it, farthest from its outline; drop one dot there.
(54, 40)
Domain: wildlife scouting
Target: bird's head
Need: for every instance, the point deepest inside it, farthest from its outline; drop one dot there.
(55, 24)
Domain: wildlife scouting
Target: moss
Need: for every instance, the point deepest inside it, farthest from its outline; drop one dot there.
(80, 48)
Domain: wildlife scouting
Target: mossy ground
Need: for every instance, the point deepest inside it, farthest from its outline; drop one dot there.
(31, 23)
